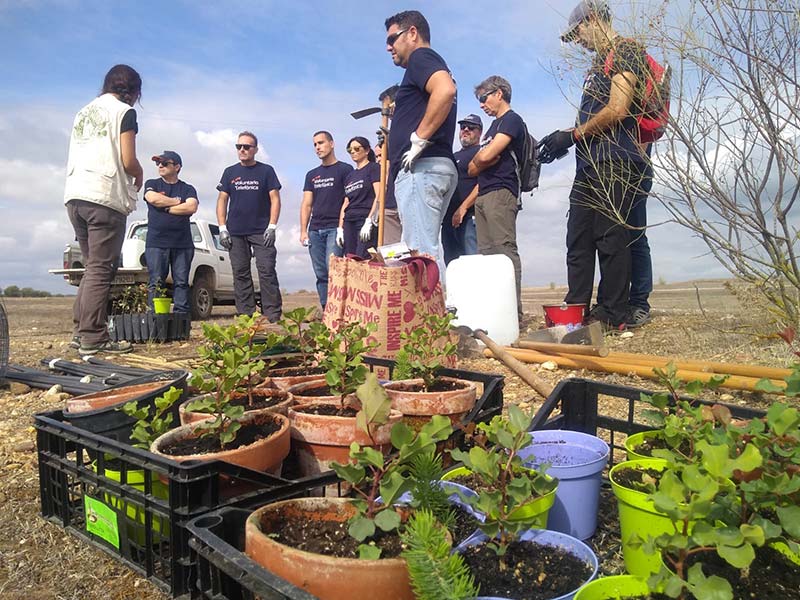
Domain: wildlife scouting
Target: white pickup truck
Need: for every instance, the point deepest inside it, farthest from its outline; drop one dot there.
(210, 277)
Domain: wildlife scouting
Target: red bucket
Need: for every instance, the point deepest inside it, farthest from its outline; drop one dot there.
(563, 314)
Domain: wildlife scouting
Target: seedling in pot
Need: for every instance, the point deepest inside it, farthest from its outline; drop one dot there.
(147, 428)
(342, 356)
(374, 476)
(507, 484)
(302, 332)
(425, 350)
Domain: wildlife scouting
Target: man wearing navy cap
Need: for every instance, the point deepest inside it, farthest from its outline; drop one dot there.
(458, 227)
(169, 245)
(610, 164)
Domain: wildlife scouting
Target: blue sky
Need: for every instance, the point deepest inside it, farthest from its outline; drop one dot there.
(282, 70)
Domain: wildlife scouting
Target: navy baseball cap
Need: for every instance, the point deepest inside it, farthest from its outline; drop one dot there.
(472, 120)
(168, 155)
(580, 13)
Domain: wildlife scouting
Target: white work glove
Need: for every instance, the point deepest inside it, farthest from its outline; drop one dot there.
(366, 230)
(269, 235)
(225, 237)
(417, 146)
(340, 237)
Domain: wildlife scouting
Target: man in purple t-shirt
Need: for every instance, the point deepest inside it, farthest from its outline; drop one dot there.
(323, 195)
(421, 136)
(248, 207)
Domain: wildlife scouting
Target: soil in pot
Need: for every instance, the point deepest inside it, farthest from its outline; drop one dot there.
(528, 571)
(634, 479)
(658, 443)
(330, 538)
(262, 398)
(439, 385)
(464, 524)
(247, 435)
(330, 410)
(771, 575)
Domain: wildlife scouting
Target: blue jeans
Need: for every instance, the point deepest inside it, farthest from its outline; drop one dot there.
(422, 195)
(321, 244)
(159, 262)
(458, 241)
(641, 263)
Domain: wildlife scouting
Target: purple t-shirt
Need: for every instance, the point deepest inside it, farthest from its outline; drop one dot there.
(410, 105)
(360, 192)
(503, 174)
(327, 185)
(249, 203)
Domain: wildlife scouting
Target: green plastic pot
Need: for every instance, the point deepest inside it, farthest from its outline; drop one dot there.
(135, 513)
(538, 507)
(161, 306)
(638, 516)
(635, 439)
(614, 588)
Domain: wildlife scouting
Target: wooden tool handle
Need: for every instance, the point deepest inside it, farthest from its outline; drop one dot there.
(542, 388)
(564, 348)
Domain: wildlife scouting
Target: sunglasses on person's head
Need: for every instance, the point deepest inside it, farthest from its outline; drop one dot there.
(244, 146)
(469, 127)
(482, 98)
(164, 163)
(390, 40)
(352, 149)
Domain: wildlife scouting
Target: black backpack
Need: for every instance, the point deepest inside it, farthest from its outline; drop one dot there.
(529, 167)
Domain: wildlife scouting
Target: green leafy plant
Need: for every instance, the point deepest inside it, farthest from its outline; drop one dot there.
(132, 300)
(160, 292)
(342, 356)
(425, 349)
(435, 573)
(147, 428)
(301, 331)
(374, 476)
(228, 360)
(507, 485)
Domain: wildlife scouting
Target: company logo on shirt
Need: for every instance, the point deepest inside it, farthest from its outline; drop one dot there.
(320, 182)
(240, 184)
(354, 186)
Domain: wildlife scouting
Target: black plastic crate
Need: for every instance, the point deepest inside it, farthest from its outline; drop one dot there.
(137, 503)
(609, 411)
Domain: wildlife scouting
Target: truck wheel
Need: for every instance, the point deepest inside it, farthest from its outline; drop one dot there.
(202, 299)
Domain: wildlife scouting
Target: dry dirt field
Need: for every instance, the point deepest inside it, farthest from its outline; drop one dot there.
(702, 320)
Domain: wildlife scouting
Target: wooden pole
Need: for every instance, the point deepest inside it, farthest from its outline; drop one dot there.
(605, 365)
(701, 365)
(564, 348)
(386, 103)
(524, 372)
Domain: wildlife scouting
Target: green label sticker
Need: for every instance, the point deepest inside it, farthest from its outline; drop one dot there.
(101, 520)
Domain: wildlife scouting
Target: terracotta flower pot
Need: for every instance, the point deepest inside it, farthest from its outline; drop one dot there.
(110, 397)
(327, 577)
(289, 371)
(319, 440)
(301, 392)
(282, 407)
(419, 407)
(264, 455)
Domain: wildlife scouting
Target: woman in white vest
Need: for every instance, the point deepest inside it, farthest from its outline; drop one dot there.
(103, 179)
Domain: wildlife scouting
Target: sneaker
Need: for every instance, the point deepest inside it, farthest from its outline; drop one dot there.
(108, 347)
(75, 344)
(637, 317)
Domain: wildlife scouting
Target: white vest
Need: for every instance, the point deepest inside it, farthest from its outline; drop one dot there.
(95, 172)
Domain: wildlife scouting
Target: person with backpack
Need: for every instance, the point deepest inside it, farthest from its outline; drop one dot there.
(610, 163)
(495, 165)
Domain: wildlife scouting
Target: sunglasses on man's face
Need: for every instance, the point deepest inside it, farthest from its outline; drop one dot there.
(164, 163)
(392, 39)
(244, 146)
(482, 98)
(469, 128)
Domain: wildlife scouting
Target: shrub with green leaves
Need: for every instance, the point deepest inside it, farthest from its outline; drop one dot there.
(507, 484)
(342, 356)
(301, 332)
(147, 428)
(425, 349)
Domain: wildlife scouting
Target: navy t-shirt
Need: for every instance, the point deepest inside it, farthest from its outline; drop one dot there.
(165, 230)
(327, 184)
(619, 142)
(410, 105)
(249, 204)
(129, 122)
(503, 174)
(465, 183)
(360, 192)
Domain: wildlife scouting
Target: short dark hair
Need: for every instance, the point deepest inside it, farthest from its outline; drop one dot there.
(249, 134)
(409, 18)
(492, 83)
(124, 82)
(327, 134)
